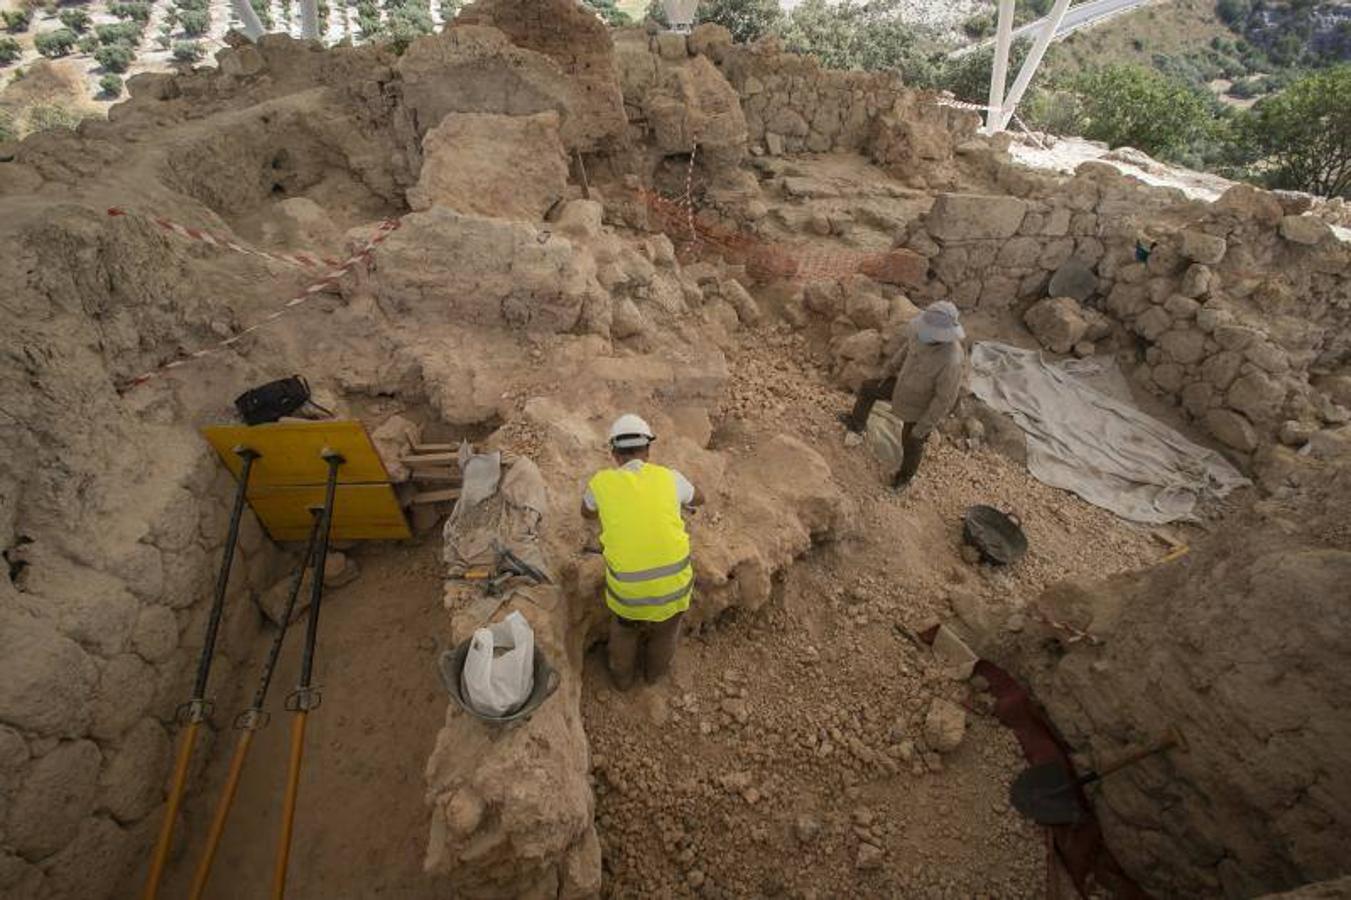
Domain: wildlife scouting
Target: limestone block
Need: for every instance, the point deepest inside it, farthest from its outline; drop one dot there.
(507, 167)
(1211, 316)
(1057, 323)
(747, 310)
(963, 217)
(1307, 230)
(1221, 369)
(1196, 281)
(1200, 247)
(126, 690)
(693, 104)
(1019, 253)
(155, 635)
(1168, 376)
(1267, 356)
(46, 679)
(1185, 346)
(1197, 398)
(131, 783)
(1247, 202)
(671, 45)
(1235, 337)
(1055, 253)
(1232, 429)
(867, 309)
(1154, 323)
(628, 320)
(1181, 307)
(1257, 395)
(99, 856)
(55, 796)
(710, 39)
(999, 290)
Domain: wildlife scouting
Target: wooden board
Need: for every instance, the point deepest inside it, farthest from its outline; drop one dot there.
(291, 452)
(361, 512)
(449, 495)
(431, 459)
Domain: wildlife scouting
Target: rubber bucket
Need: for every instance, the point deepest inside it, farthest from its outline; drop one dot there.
(451, 665)
(998, 536)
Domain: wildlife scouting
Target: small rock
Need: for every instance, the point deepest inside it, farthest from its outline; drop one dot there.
(970, 554)
(1015, 623)
(695, 878)
(853, 438)
(869, 857)
(339, 569)
(1296, 434)
(944, 726)
(807, 828)
(1084, 348)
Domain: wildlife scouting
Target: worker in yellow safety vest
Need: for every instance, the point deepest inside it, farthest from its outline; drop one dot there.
(648, 574)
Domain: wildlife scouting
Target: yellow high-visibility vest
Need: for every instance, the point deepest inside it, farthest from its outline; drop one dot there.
(648, 574)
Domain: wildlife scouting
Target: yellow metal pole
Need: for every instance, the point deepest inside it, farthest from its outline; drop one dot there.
(166, 831)
(288, 810)
(227, 799)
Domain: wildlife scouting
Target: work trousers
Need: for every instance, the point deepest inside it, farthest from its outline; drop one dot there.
(912, 447)
(635, 645)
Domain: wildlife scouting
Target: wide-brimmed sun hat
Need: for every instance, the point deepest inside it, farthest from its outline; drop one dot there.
(938, 324)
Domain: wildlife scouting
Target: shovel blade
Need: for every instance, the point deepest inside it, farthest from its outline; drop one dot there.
(1046, 795)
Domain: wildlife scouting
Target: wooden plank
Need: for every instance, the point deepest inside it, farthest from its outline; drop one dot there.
(436, 475)
(446, 496)
(431, 459)
(435, 448)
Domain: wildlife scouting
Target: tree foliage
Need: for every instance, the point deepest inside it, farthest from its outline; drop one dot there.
(77, 20)
(139, 12)
(748, 20)
(195, 22)
(125, 33)
(1301, 138)
(1128, 105)
(607, 10)
(188, 51)
(857, 34)
(115, 57)
(9, 50)
(16, 20)
(53, 44)
(111, 85)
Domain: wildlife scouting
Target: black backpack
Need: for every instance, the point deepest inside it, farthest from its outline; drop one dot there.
(271, 401)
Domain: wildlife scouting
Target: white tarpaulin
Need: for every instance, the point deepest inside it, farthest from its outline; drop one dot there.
(1095, 444)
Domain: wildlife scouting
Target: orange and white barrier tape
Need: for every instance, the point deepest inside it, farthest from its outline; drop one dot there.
(300, 259)
(326, 281)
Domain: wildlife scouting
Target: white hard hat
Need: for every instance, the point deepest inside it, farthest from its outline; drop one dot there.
(630, 431)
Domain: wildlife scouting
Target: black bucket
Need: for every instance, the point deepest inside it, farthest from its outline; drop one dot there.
(998, 536)
(546, 682)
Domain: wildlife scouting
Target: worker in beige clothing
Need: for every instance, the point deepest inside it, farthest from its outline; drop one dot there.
(922, 379)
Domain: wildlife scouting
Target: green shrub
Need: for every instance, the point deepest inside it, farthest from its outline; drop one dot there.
(1234, 12)
(164, 41)
(77, 20)
(748, 20)
(188, 51)
(855, 34)
(968, 76)
(264, 11)
(125, 33)
(407, 23)
(1127, 105)
(16, 20)
(130, 10)
(115, 57)
(196, 5)
(370, 26)
(606, 9)
(53, 44)
(194, 22)
(979, 26)
(111, 85)
(88, 43)
(51, 115)
(9, 50)
(1301, 138)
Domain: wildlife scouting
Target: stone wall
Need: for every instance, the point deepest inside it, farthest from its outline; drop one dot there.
(1238, 303)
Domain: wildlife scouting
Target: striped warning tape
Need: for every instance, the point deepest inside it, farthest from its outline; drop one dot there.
(326, 281)
(301, 259)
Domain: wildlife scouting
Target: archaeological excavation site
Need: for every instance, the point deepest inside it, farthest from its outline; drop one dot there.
(418, 337)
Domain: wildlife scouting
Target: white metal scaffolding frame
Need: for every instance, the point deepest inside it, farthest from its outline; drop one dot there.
(1003, 106)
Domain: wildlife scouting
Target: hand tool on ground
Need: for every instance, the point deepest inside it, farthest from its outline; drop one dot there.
(510, 566)
(251, 719)
(197, 709)
(305, 697)
(1048, 794)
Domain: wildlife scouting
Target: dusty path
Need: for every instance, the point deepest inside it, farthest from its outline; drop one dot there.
(361, 828)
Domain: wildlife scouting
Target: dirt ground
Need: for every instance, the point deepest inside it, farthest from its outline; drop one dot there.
(782, 754)
(361, 816)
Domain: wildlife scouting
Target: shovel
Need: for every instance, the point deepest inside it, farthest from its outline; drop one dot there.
(1049, 795)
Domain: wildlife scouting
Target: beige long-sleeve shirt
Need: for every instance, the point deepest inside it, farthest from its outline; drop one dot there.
(928, 381)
